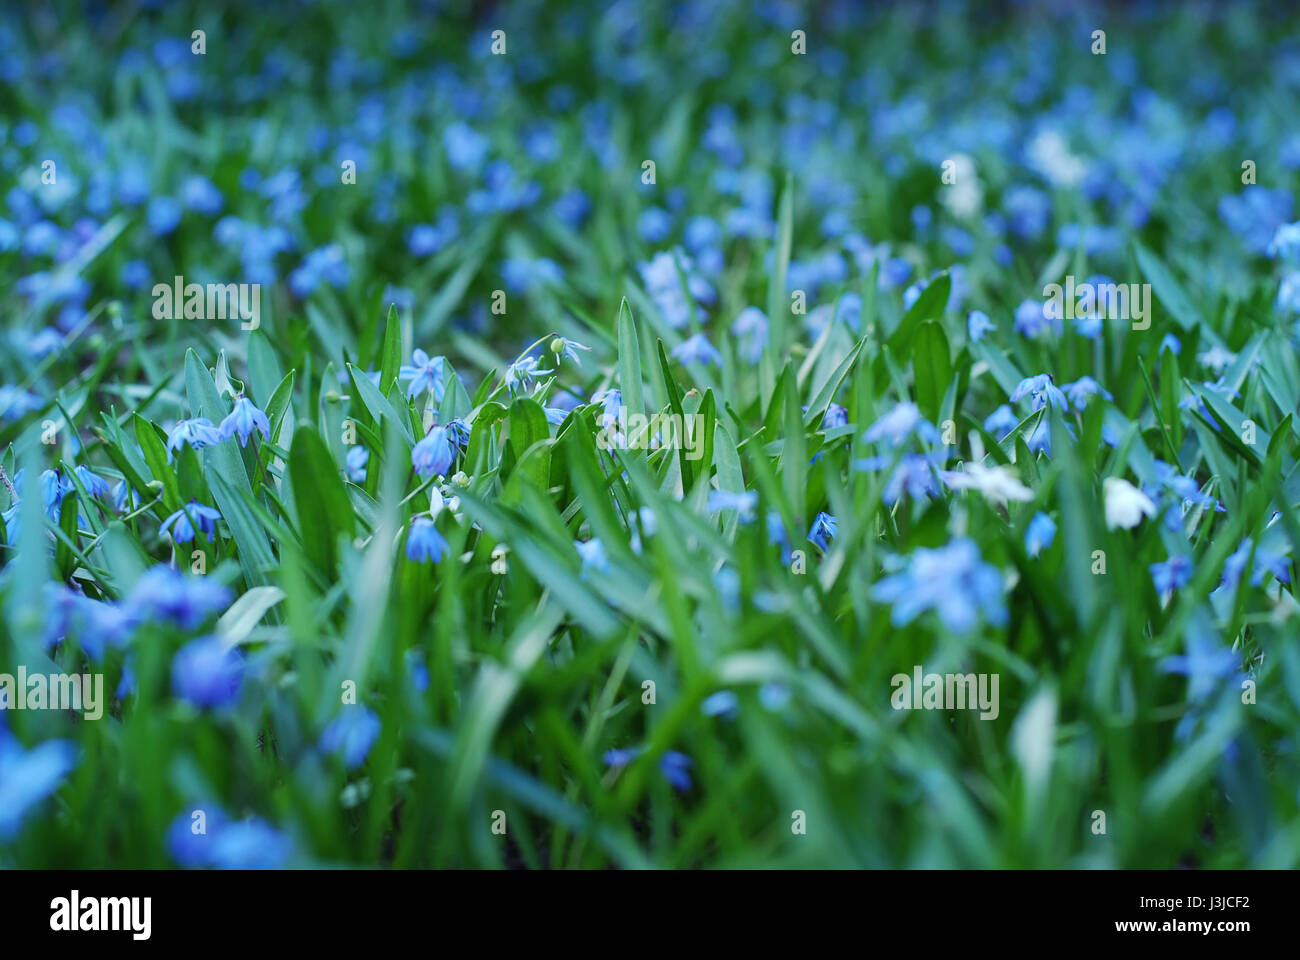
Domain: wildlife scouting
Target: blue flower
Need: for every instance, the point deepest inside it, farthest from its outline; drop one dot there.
(572, 208)
(978, 324)
(673, 765)
(180, 525)
(424, 544)
(593, 555)
(898, 424)
(201, 195)
(521, 374)
(206, 674)
(1255, 214)
(836, 416)
(1043, 392)
(914, 476)
(676, 768)
(1083, 388)
(466, 148)
(29, 776)
(664, 284)
(654, 224)
(243, 420)
(198, 432)
(352, 733)
(953, 581)
(434, 454)
(823, 530)
(1265, 562)
(774, 696)
(54, 487)
(751, 327)
(611, 401)
(162, 593)
(1171, 575)
(125, 497)
(776, 533)
(425, 373)
(702, 232)
(1286, 241)
(621, 758)
(697, 349)
(251, 844)
(1001, 422)
(458, 432)
(163, 215)
(1088, 326)
(325, 264)
(1039, 534)
(724, 703)
(358, 457)
(1204, 664)
(1040, 438)
(94, 484)
(418, 670)
(426, 238)
(743, 503)
(16, 403)
(1032, 320)
(188, 847)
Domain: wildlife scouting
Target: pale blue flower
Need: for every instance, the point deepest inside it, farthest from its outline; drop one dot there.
(357, 458)
(593, 555)
(744, 503)
(724, 703)
(1286, 241)
(198, 432)
(697, 349)
(243, 420)
(1039, 534)
(1042, 391)
(521, 374)
(952, 580)
(1001, 422)
(751, 328)
(978, 324)
(425, 373)
(898, 424)
(1032, 320)
(568, 349)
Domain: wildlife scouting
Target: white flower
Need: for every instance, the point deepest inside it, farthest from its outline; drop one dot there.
(1217, 358)
(998, 483)
(1125, 504)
